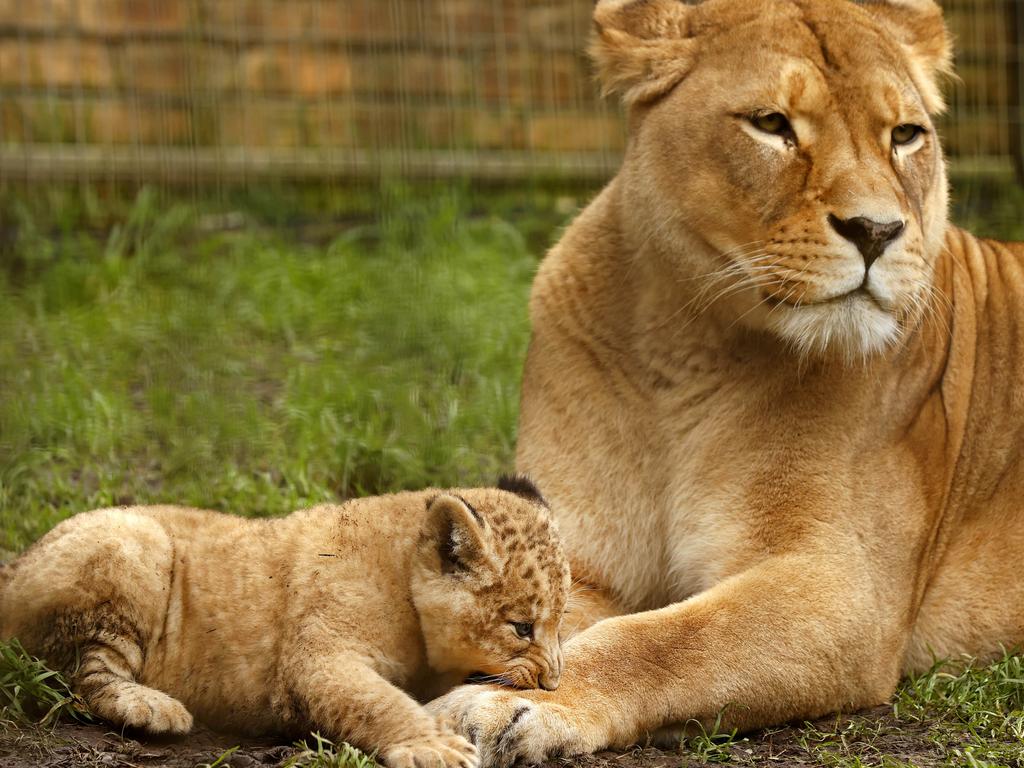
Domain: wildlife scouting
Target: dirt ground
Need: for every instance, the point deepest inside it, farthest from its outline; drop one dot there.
(73, 745)
(872, 737)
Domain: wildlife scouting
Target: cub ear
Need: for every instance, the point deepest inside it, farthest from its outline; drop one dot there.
(642, 48)
(920, 29)
(521, 486)
(453, 535)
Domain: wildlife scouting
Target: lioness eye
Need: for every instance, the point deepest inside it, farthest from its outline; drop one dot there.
(906, 134)
(774, 123)
(523, 628)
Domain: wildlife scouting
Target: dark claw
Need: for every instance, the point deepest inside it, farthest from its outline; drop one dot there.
(505, 743)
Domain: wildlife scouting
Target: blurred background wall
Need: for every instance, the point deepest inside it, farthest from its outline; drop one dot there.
(166, 90)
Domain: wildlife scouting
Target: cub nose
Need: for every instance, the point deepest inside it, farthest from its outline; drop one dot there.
(871, 237)
(548, 679)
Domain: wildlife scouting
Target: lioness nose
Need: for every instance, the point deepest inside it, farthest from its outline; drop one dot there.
(871, 237)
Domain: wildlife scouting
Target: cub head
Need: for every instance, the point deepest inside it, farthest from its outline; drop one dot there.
(490, 583)
(782, 158)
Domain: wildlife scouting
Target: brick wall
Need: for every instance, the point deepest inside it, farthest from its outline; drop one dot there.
(474, 75)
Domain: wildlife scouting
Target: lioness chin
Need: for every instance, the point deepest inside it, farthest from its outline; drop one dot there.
(774, 395)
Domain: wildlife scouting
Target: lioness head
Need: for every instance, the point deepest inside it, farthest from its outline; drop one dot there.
(782, 156)
(490, 582)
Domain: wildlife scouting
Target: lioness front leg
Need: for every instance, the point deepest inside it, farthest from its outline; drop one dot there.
(792, 637)
(347, 700)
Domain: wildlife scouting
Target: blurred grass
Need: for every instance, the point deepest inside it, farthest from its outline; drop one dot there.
(989, 206)
(144, 358)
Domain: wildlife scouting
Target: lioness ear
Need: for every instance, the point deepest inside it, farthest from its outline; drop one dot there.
(642, 48)
(453, 535)
(919, 27)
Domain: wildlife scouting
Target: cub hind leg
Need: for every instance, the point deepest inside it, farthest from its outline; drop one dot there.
(106, 681)
(90, 598)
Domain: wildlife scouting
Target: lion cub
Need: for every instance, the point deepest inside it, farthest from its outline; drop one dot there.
(317, 621)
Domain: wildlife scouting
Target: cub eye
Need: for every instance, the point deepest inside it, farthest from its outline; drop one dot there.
(774, 123)
(523, 628)
(906, 134)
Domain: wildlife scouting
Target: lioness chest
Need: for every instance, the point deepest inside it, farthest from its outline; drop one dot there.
(638, 499)
(695, 469)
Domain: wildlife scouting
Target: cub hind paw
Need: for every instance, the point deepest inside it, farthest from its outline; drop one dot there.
(442, 750)
(150, 710)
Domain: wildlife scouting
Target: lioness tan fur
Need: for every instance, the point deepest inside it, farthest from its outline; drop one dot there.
(776, 398)
(318, 621)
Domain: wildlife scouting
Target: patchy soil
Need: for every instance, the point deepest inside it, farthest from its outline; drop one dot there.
(870, 738)
(72, 745)
(858, 740)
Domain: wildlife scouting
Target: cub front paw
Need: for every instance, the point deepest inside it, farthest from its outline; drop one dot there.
(507, 727)
(444, 750)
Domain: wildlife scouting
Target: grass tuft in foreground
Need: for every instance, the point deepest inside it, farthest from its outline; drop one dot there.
(32, 693)
(977, 711)
(710, 745)
(324, 754)
(223, 759)
(983, 698)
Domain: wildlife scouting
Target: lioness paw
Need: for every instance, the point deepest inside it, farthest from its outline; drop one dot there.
(445, 750)
(506, 727)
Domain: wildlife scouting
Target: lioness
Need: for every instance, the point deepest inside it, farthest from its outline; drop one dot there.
(776, 399)
(315, 621)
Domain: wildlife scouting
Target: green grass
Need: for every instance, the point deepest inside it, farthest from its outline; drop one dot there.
(709, 745)
(325, 754)
(977, 710)
(32, 693)
(242, 371)
(222, 760)
(989, 207)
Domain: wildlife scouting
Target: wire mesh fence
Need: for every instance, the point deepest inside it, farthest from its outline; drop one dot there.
(217, 90)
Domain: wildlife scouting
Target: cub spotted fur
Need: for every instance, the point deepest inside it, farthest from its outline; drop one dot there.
(321, 620)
